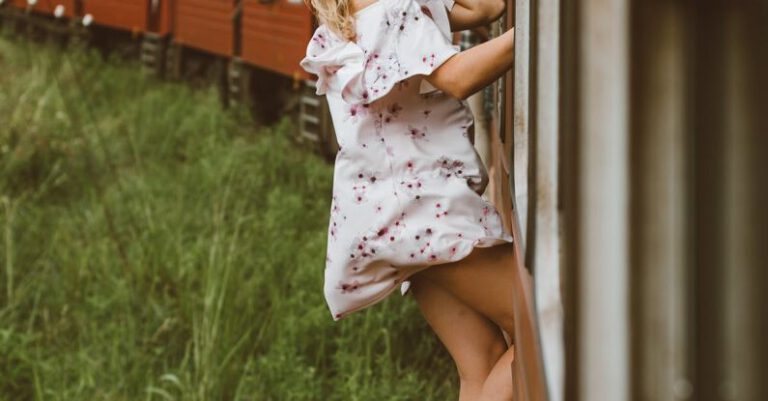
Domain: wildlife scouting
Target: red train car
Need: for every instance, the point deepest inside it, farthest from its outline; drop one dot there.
(207, 25)
(275, 35)
(137, 16)
(48, 6)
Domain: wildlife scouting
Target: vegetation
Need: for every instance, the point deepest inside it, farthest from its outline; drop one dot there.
(154, 246)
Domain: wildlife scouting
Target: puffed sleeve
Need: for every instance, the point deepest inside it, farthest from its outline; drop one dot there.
(409, 39)
(335, 62)
(438, 10)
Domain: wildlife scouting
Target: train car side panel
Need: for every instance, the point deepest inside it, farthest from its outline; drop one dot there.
(164, 25)
(121, 14)
(205, 25)
(131, 15)
(275, 35)
(47, 6)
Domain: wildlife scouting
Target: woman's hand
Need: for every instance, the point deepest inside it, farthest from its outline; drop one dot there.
(468, 14)
(482, 32)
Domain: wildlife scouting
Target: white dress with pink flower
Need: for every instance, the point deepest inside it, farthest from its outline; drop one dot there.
(407, 181)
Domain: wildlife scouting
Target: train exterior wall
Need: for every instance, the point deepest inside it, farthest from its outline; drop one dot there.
(164, 24)
(131, 15)
(206, 25)
(275, 35)
(47, 6)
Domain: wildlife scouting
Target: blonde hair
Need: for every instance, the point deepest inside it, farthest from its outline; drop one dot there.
(336, 15)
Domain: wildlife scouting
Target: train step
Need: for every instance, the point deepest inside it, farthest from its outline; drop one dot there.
(312, 101)
(238, 82)
(309, 114)
(153, 53)
(315, 120)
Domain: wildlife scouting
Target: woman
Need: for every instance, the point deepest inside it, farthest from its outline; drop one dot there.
(407, 210)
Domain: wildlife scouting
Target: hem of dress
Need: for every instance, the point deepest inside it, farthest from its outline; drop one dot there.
(476, 243)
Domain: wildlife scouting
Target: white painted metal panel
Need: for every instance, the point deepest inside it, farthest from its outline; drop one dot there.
(521, 119)
(546, 233)
(660, 193)
(603, 201)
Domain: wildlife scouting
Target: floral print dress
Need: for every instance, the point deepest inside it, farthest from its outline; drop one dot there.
(408, 183)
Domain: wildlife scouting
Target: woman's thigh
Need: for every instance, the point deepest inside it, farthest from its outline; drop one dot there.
(483, 280)
(474, 342)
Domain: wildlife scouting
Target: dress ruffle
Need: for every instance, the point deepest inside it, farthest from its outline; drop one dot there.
(415, 40)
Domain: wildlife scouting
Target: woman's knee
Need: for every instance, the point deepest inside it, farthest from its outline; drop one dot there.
(506, 320)
(475, 342)
(474, 365)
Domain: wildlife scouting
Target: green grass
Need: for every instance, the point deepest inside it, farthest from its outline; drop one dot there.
(156, 247)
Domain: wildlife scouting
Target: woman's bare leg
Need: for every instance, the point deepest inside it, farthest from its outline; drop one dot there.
(475, 343)
(498, 386)
(483, 281)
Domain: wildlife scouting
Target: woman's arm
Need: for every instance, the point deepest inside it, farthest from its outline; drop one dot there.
(468, 14)
(472, 70)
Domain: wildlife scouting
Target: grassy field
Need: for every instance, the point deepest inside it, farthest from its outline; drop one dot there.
(156, 247)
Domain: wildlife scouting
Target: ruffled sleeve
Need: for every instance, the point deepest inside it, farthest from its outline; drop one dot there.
(438, 10)
(407, 38)
(334, 61)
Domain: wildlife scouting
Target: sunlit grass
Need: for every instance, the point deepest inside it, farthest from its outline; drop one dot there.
(157, 247)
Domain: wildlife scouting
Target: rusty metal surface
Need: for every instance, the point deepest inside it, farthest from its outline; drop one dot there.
(520, 126)
(528, 370)
(205, 25)
(545, 234)
(275, 35)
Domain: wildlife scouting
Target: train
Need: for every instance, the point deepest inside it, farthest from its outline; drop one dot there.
(251, 46)
(248, 47)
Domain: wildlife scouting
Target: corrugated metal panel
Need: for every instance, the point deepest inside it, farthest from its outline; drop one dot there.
(131, 15)
(603, 260)
(122, 14)
(275, 35)
(533, 131)
(205, 25)
(545, 238)
(658, 216)
(164, 24)
(528, 372)
(522, 113)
